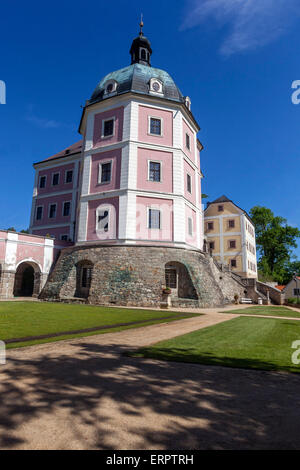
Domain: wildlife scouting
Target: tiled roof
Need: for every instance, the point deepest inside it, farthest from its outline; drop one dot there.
(71, 150)
(280, 287)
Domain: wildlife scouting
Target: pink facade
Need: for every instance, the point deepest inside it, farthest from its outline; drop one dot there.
(190, 226)
(62, 184)
(187, 130)
(117, 114)
(97, 207)
(56, 232)
(145, 113)
(115, 158)
(145, 156)
(190, 193)
(165, 206)
(46, 202)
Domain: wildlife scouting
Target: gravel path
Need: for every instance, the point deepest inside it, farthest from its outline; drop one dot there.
(83, 394)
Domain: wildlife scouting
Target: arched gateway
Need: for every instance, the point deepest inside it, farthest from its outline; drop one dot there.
(27, 279)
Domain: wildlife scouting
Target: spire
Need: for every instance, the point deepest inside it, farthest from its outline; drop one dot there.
(140, 50)
(141, 25)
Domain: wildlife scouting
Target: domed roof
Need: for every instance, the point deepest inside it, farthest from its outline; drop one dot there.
(136, 78)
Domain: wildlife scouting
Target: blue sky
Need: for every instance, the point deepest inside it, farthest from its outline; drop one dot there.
(236, 59)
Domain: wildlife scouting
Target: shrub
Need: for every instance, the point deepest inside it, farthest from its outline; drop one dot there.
(292, 300)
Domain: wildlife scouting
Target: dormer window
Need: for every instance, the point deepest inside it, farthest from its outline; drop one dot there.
(110, 87)
(187, 102)
(156, 86)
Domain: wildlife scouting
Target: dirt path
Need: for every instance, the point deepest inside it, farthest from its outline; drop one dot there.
(84, 394)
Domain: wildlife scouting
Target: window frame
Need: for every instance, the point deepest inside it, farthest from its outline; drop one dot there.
(208, 224)
(36, 212)
(189, 178)
(52, 179)
(235, 263)
(66, 172)
(63, 208)
(149, 209)
(49, 210)
(104, 162)
(188, 140)
(64, 235)
(229, 244)
(190, 226)
(220, 208)
(158, 118)
(160, 170)
(113, 118)
(231, 223)
(40, 178)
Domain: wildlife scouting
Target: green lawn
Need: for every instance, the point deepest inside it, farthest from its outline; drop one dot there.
(23, 319)
(245, 342)
(266, 310)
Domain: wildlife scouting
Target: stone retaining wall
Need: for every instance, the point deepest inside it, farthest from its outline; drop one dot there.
(134, 275)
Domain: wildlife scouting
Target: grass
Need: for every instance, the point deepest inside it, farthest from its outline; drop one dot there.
(24, 319)
(265, 310)
(244, 342)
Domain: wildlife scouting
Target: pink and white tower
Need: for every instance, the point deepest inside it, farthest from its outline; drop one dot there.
(140, 177)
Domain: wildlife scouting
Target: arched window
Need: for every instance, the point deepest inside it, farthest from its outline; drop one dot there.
(143, 54)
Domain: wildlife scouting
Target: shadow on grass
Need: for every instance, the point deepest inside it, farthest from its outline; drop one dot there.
(155, 405)
(193, 356)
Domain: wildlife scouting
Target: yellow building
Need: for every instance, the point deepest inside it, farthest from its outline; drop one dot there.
(230, 236)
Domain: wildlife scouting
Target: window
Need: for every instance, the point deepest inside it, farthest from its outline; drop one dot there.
(190, 226)
(155, 171)
(103, 221)
(52, 211)
(69, 176)
(66, 208)
(108, 127)
(231, 223)
(296, 291)
(42, 182)
(105, 172)
(211, 246)
(55, 179)
(189, 183)
(233, 263)
(64, 238)
(109, 88)
(39, 213)
(210, 226)
(220, 208)
(171, 278)
(232, 244)
(154, 218)
(187, 141)
(155, 126)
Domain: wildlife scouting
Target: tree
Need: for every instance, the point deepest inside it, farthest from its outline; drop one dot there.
(275, 241)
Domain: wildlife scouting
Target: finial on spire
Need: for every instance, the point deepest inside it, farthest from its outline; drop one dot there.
(141, 25)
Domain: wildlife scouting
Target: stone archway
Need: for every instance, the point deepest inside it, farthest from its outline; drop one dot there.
(27, 280)
(179, 281)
